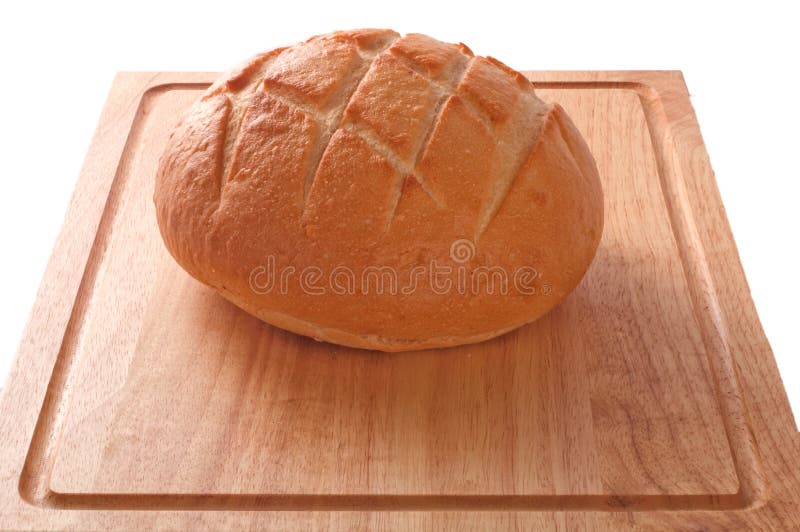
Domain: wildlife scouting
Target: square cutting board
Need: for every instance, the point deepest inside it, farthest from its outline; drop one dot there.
(649, 398)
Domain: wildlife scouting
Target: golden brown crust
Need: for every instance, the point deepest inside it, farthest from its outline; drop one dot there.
(312, 184)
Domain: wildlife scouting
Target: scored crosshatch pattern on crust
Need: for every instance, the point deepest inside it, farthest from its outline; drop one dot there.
(444, 79)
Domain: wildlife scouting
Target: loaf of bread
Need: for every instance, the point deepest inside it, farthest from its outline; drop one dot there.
(381, 192)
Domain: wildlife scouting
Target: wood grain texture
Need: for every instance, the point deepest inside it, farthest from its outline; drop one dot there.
(649, 398)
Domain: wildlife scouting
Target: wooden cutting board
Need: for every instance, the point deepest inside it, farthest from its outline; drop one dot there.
(649, 398)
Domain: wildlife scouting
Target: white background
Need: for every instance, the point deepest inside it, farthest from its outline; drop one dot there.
(740, 64)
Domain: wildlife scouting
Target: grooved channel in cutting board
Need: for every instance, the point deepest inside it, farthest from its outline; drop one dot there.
(540, 435)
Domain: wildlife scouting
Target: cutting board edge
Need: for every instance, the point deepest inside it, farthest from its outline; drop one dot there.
(85, 211)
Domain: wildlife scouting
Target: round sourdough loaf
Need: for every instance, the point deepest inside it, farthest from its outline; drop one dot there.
(382, 192)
